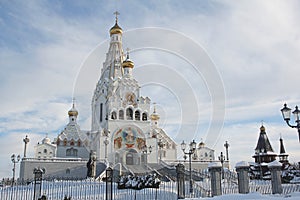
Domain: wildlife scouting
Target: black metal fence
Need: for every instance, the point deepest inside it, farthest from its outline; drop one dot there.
(87, 190)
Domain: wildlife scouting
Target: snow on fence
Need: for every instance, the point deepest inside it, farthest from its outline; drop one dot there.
(96, 190)
(87, 190)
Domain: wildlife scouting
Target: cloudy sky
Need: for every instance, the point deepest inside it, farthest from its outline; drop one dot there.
(216, 69)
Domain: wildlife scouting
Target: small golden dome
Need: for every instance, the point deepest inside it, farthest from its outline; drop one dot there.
(116, 29)
(127, 63)
(262, 129)
(73, 112)
(154, 116)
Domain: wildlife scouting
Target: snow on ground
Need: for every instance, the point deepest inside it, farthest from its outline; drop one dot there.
(250, 196)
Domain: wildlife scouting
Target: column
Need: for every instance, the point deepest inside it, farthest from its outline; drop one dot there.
(215, 169)
(275, 169)
(180, 181)
(242, 169)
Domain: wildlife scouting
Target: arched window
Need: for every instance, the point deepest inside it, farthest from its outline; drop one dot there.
(68, 171)
(72, 152)
(129, 114)
(65, 142)
(121, 114)
(72, 143)
(137, 115)
(45, 150)
(79, 143)
(113, 115)
(144, 117)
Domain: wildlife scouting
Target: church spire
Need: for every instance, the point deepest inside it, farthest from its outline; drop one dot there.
(112, 67)
(264, 151)
(283, 156)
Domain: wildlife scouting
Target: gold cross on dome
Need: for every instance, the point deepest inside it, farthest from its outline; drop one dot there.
(116, 13)
(127, 52)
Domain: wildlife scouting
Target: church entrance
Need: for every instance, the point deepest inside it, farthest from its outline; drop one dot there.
(131, 156)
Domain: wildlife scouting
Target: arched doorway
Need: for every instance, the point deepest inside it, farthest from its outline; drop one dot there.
(131, 157)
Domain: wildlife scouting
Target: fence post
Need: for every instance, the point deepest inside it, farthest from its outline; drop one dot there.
(38, 177)
(109, 179)
(275, 168)
(43, 197)
(242, 169)
(215, 169)
(180, 181)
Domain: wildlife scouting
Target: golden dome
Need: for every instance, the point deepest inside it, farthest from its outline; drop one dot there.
(262, 129)
(73, 112)
(154, 116)
(127, 62)
(116, 29)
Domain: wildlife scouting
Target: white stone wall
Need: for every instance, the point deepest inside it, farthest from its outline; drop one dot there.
(45, 151)
(53, 167)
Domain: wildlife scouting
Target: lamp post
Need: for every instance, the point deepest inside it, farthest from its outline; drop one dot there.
(146, 151)
(286, 114)
(221, 159)
(15, 159)
(25, 140)
(160, 145)
(106, 142)
(226, 145)
(189, 153)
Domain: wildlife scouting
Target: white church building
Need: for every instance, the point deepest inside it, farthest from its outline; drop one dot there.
(124, 130)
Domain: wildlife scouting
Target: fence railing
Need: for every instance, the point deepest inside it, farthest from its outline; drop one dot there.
(87, 190)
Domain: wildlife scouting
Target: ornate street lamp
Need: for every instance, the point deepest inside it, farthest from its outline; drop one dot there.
(221, 159)
(25, 140)
(160, 145)
(189, 153)
(146, 151)
(14, 159)
(286, 114)
(106, 142)
(226, 145)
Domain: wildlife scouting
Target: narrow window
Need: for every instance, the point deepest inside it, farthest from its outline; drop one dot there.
(137, 115)
(144, 117)
(65, 142)
(113, 115)
(101, 111)
(129, 114)
(121, 114)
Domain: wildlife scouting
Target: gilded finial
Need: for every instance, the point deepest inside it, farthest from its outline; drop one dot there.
(116, 13)
(73, 101)
(127, 53)
(154, 105)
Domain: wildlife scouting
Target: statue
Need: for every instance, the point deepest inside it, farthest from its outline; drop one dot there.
(91, 165)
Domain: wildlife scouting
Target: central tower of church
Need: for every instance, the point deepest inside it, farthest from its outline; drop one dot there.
(122, 128)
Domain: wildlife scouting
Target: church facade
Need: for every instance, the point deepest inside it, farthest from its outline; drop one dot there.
(124, 130)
